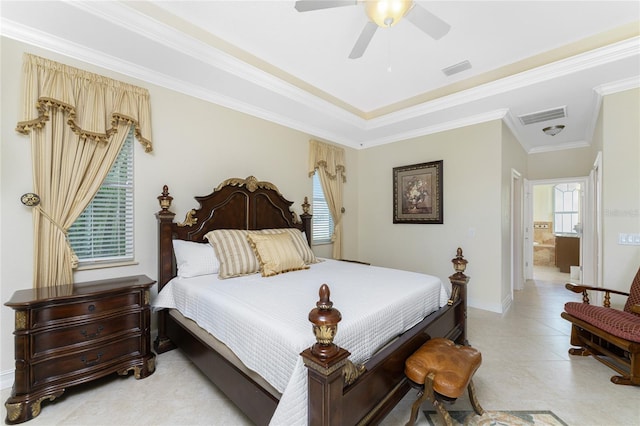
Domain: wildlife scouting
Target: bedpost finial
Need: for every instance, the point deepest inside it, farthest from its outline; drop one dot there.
(165, 199)
(324, 302)
(306, 205)
(325, 321)
(459, 264)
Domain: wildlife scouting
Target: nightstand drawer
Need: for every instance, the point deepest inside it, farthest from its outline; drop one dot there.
(86, 361)
(85, 333)
(68, 311)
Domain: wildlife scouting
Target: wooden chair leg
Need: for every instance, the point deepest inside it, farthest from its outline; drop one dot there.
(474, 400)
(579, 351)
(422, 397)
(443, 413)
(429, 394)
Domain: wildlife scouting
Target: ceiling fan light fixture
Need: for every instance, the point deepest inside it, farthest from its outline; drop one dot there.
(387, 13)
(553, 130)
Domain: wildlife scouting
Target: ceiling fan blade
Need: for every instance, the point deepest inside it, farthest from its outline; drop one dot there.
(427, 22)
(363, 41)
(309, 5)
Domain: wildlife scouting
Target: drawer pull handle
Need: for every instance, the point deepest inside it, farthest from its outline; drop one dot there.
(94, 335)
(90, 363)
(92, 308)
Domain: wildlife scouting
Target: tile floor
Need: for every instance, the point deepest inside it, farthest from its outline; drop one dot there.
(525, 367)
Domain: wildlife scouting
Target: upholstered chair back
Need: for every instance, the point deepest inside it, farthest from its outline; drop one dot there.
(634, 293)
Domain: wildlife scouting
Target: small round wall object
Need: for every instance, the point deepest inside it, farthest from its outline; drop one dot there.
(30, 199)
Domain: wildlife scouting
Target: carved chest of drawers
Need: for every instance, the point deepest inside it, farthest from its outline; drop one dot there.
(73, 334)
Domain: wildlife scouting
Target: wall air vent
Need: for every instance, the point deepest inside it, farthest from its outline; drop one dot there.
(454, 69)
(549, 114)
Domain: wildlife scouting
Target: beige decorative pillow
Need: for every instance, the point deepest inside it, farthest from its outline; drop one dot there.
(234, 252)
(276, 253)
(300, 242)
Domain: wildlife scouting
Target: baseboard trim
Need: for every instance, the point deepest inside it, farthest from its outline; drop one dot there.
(6, 379)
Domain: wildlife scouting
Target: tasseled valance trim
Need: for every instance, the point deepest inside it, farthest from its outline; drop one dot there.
(328, 157)
(104, 102)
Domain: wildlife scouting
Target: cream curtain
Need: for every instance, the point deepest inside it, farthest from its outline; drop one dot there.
(328, 160)
(78, 122)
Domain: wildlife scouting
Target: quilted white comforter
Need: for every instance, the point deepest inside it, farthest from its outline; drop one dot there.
(264, 321)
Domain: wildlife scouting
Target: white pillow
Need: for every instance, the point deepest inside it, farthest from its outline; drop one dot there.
(194, 259)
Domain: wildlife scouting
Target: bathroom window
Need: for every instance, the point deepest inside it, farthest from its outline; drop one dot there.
(566, 202)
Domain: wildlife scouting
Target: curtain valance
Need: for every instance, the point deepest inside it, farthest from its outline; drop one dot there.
(328, 157)
(95, 104)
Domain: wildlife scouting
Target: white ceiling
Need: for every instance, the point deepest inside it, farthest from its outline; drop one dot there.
(269, 60)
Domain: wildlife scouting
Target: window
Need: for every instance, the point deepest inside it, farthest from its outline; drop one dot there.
(566, 206)
(322, 220)
(103, 233)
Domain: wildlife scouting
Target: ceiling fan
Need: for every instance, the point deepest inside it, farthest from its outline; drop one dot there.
(382, 13)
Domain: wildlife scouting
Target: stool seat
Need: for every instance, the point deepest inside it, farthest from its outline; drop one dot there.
(443, 369)
(453, 366)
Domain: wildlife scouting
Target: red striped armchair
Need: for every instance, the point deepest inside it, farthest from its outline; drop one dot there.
(610, 335)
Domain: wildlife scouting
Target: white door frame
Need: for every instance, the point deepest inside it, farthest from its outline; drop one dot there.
(593, 275)
(587, 242)
(518, 234)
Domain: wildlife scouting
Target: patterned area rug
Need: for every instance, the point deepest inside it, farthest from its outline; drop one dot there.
(498, 418)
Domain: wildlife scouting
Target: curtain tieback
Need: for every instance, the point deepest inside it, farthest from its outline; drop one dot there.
(72, 255)
(53, 222)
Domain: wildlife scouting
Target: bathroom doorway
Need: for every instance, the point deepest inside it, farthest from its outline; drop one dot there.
(561, 229)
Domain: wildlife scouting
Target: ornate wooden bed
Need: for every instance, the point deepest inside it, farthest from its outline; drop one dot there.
(375, 388)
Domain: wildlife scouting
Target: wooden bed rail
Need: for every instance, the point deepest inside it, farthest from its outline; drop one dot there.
(333, 380)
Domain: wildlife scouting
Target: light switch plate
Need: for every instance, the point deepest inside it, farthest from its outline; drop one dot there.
(629, 239)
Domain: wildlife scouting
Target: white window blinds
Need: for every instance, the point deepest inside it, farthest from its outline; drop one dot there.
(103, 233)
(322, 221)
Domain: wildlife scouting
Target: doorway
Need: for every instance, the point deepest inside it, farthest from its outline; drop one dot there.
(559, 214)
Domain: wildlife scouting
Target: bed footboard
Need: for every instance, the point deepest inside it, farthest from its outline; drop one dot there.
(341, 394)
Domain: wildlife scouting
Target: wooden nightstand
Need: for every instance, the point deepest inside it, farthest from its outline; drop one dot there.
(69, 335)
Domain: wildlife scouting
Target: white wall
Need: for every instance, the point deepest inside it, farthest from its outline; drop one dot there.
(513, 157)
(472, 209)
(196, 146)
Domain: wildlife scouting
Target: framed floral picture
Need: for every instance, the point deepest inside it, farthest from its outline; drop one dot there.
(417, 193)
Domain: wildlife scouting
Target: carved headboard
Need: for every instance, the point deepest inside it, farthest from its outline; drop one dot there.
(235, 204)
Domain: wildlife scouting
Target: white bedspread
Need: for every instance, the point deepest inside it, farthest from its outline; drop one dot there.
(264, 321)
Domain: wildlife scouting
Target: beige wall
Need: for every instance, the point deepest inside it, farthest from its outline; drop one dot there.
(566, 163)
(472, 209)
(620, 186)
(196, 145)
(543, 203)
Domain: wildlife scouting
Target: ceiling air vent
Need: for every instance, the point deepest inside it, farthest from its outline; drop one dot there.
(454, 69)
(549, 114)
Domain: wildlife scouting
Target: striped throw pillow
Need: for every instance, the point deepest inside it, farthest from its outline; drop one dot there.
(234, 252)
(276, 253)
(299, 241)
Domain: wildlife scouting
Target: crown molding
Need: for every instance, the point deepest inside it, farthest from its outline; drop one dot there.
(205, 51)
(334, 122)
(566, 145)
(603, 55)
(440, 127)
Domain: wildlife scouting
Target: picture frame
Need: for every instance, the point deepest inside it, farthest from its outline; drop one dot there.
(418, 193)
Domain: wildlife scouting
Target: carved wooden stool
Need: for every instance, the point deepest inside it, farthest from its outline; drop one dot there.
(442, 371)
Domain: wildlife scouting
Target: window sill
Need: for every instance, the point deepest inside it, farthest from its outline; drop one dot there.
(90, 266)
(321, 244)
